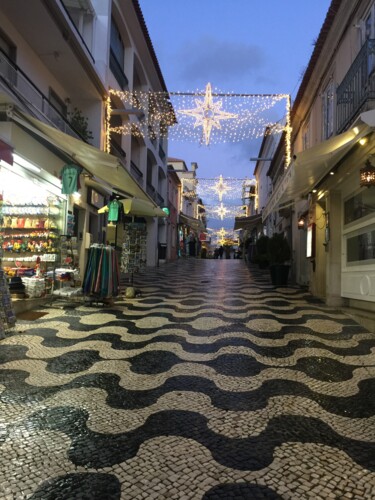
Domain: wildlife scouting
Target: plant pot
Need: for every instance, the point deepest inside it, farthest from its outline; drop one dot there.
(279, 274)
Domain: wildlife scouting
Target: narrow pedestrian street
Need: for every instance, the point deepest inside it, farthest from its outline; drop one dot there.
(211, 384)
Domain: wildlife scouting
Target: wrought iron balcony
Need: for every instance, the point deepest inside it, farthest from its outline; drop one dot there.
(16, 83)
(136, 173)
(159, 199)
(357, 87)
(150, 190)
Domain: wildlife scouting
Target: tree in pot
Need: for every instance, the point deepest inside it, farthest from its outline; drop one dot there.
(262, 251)
(279, 254)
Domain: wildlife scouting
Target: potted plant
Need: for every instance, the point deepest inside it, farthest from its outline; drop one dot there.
(279, 255)
(80, 124)
(262, 251)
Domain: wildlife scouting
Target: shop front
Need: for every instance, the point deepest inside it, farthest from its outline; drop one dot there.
(34, 214)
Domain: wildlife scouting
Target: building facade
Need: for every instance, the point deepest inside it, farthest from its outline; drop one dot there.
(63, 68)
(321, 200)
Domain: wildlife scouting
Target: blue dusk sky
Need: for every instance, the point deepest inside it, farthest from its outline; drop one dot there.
(240, 46)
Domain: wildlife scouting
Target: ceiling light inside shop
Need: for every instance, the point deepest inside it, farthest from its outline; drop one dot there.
(25, 163)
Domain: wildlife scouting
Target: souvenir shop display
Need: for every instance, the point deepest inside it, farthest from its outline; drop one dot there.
(133, 255)
(68, 250)
(30, 234)
(7, 316)
(102, 273)
(70, 179)
(70, 225)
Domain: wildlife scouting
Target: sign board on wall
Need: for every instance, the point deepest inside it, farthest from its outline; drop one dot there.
(310, 245)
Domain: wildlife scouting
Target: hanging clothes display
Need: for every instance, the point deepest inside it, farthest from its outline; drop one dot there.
(70, 178)
(102, 274)
(115, 210)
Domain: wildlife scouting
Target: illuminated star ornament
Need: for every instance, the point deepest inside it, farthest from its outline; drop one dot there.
(221, 188)
(222, 211)
(208, 114)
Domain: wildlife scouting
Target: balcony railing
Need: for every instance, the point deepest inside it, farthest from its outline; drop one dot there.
(136, 173)
(20, 85)
(159, 199)
(150, 190)
(357, 87)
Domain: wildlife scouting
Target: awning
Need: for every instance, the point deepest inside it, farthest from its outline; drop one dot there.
(312, 165)
(135, 206)
(247, 223)
(195, 224)
(98, 163)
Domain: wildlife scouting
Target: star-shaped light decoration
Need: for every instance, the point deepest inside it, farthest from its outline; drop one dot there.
(222, 232)
(208, 114)
(222, 211)
(221, 188)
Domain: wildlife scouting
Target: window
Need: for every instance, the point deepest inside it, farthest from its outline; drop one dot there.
(361, 247)
(117, 45)
(358, 206)
(82, 15)
(328, 110)
(367, 25)
(7, 69)
(306, 135)
(117, 56)
(368, 33)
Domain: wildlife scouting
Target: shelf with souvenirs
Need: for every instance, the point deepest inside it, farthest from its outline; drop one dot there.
(30, 235)
(31, 231)
(66, 277)
(133, 254)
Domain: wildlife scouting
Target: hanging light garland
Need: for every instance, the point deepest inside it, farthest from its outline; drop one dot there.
(222, 211)
(245, 117)
(208, 114)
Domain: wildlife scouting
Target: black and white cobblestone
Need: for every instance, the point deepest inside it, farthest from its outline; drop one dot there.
(211, 385)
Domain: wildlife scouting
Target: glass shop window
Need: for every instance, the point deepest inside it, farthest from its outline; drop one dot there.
(359, 206)
(361, 248)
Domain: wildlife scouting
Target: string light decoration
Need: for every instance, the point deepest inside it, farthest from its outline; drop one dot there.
(232, 189)
(222, 211)
(108, 114)
(207, 114)
(288, 133)
(221, 188)
(246, 116)
(218, 188)
(254, 112)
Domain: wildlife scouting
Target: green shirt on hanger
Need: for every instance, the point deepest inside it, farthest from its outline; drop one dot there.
(114, 210)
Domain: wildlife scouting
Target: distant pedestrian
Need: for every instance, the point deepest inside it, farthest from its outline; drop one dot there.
(192, 245)
(221, 251)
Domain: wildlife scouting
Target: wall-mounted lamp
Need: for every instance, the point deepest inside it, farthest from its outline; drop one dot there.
(367, 175)
(301, 223)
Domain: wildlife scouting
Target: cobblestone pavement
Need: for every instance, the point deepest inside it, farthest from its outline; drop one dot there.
(211, 385)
